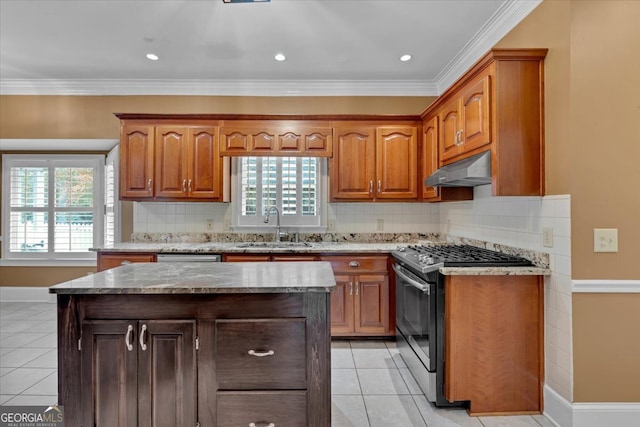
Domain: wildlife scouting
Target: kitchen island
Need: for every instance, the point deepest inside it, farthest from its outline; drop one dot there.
(189, 344)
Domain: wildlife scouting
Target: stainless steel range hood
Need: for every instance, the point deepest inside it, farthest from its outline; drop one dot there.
(469, 172)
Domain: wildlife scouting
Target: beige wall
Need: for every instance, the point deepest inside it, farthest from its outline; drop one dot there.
(592, 153)
(92, 116)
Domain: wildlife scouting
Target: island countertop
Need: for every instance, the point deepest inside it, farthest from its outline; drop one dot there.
(205, 278)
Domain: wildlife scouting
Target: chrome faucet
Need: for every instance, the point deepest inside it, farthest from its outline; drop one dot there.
(266, 220)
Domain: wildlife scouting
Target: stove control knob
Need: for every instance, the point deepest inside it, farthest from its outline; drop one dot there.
(429, 260)
(402, 248)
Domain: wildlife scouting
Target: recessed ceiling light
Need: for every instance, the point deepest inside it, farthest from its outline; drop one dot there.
(280, 57)
(405, 58)
(152, 56)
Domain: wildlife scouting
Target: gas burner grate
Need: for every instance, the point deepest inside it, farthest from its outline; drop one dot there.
(469, 256)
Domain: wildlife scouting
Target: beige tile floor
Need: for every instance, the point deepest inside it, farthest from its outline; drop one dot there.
(370, 384)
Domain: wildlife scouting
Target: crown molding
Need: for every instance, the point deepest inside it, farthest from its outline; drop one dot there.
(503, 20)
(510, 13)
(94, 87)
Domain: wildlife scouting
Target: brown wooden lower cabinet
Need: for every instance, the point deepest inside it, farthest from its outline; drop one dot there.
(188, 360)
(116, 259)
(360, 305)
(494, 343)
(136, 372)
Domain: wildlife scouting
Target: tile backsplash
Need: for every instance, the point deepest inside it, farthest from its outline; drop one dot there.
(510, 221)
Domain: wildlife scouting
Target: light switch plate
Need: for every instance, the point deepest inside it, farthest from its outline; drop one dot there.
(605, 240)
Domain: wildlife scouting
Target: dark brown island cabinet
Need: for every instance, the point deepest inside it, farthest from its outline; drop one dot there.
(196, 344)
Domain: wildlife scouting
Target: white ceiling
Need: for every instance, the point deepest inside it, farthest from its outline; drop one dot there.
(206, 47)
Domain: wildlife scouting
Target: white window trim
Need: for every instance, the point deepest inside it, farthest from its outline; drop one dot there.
(76, 258)
(236, 208)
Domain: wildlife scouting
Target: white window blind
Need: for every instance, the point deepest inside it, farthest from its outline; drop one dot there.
(52, 206)
(290, 183)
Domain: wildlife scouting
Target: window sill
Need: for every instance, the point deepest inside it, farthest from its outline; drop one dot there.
(283, 228)
(89, 262)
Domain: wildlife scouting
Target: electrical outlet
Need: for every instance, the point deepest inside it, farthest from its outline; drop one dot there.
(331, 225)
(605, 240)
(547, 237)
(227, 225)
(379, 224)
(209, 224)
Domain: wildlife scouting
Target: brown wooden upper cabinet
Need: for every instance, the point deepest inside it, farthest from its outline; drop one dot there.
(276, 141)
(170, 162)
(497, 105)
(374, 163)
(465, 119)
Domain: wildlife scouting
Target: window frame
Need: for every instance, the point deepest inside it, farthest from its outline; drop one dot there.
(93, 161)
(286, 223)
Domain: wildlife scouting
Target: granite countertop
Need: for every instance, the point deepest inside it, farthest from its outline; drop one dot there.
(205, 278)
(495, 271)
(251, 247)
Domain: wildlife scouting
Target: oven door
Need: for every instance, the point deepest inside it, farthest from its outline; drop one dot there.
(416, 314)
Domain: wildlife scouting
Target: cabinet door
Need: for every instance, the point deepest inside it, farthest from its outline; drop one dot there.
(476, 114)
(107, 261)
(205, 174)
(352, 167)
(397, 162)
(372, 303)
(166, 373)
(109, 373)
(172, 161)
(136, 162)
(342, 313)
(450, 126)
(429, 156)
(247, 141)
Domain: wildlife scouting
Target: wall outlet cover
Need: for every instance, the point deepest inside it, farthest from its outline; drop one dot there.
(547, 237)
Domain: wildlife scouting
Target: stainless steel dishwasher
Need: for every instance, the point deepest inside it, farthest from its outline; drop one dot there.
(189, 258)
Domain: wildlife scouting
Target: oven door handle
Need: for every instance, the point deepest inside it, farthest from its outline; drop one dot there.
(424, 288)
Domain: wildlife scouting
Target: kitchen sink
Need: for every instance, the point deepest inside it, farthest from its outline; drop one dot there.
(274, 244)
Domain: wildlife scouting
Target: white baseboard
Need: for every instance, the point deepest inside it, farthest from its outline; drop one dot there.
(26, 294)
(563, 413)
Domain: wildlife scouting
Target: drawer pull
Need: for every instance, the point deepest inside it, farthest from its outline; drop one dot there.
(125, 262)
(354, 264)
(261, 353)
(262, 424)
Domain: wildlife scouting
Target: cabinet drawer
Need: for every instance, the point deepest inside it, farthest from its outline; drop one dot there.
(357, 264)
(283, 409)
(261, 354)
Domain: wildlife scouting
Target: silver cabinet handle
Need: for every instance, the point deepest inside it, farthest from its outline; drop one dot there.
(189, 186)
(143, 330)
(371, 187)
(184, 185)
(127, 338)
(350, 288)
(379, 186)
(125, 262)
(260, 424)
(149, 184)
(357, 288)
(261, 353)
(354, 264)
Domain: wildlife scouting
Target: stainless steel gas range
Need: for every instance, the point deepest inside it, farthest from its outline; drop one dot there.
(420, 306)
